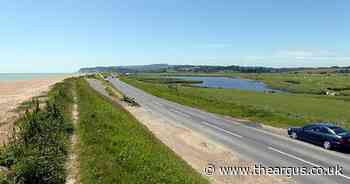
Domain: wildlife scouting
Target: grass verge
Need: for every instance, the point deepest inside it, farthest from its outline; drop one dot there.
(116, 148)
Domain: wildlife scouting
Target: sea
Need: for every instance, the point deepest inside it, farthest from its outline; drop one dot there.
(29, 76)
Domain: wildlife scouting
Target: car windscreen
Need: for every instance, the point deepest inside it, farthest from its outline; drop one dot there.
(338, 130)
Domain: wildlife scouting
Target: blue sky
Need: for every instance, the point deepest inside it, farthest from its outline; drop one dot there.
(62, 36)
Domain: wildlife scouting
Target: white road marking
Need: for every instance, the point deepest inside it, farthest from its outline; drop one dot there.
(347, 177)
(256, 129)
(179, 112)
(302, 160)
(220, 129)
(158, 104)
(208, 124)
(317, 148)
(292, 156)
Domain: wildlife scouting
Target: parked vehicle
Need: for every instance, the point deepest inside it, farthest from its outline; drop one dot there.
(327, 135)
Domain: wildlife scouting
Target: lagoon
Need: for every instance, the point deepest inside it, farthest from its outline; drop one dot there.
(229, 83)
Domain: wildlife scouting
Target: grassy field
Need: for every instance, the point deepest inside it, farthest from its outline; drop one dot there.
(306, 83)
(116, 148)
(281, 110)
(38, 149)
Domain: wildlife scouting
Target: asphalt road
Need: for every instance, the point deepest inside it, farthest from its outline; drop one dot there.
(251, 143)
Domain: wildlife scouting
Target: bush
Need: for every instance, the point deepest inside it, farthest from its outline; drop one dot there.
(38, 148)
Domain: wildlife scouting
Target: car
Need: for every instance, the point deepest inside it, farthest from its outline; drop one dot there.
(327, 135)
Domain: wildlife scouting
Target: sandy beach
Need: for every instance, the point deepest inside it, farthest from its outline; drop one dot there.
(12, 93)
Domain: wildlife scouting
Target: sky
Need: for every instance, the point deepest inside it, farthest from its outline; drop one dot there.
(65, 35)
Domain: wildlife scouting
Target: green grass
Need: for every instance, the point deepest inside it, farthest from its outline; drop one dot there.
(116, 148)
(306, 83)
(112, 92)
(37, 150)
(106, 74)
(280, 110)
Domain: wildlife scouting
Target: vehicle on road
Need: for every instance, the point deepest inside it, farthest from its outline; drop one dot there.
(327, 135)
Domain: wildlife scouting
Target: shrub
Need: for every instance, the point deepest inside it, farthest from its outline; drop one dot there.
(38, 147)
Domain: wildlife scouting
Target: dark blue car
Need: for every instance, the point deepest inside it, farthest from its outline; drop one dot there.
(327, 135)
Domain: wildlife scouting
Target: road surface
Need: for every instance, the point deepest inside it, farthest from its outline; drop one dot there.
(251, 143)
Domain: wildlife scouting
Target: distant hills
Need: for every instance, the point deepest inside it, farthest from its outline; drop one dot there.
(156, 68)
(127, 69)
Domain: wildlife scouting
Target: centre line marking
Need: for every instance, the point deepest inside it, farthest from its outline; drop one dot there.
(179, 112)
(220, 129)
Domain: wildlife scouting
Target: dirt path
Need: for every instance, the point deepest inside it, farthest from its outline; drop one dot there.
(73, 162)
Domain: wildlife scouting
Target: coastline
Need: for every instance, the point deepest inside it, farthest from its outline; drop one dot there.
(13, 77)
(13, 93)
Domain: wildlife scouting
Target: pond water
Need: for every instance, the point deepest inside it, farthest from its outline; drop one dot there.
(230, 83)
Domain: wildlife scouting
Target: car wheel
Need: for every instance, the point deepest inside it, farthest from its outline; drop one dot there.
(294, 135)
(327, 145)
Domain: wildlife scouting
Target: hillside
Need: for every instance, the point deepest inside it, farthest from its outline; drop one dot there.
(156, 68)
